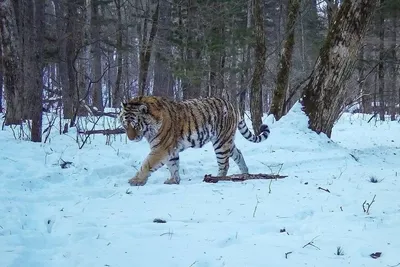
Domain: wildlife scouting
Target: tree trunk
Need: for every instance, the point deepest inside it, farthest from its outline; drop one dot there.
(392, 70)
(216, 49)
(117, 95)
(246, 57)
(365, 104)
(258, 74)
(163, 79)
(381, 66)
(1, 73)
(285, 61)
(69, 94)
(323, 96)
(38, 65)
(97, 94)
(59, 7)
(146, 50)
(11, 58)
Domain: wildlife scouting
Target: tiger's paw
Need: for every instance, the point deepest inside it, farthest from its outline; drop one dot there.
(137, 182)
(171, 181)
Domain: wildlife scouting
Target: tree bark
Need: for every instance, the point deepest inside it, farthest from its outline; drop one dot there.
(117, 95)
(285, 61)
(69, 94)
(146, 50)
(323, 96)
(62, 54)
(1, 73)
(97, 94)
(38, 65)
(11, 58)
(392, 70)
(258, 74)
(381, 66)
(163, 79)
(361, 81)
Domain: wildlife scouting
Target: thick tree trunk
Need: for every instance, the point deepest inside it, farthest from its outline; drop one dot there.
(258, 74)
(38, 65)
(285, 61)
(146, 49)
(11, 43)
(381, 66)
(69, 94)
(323, 96)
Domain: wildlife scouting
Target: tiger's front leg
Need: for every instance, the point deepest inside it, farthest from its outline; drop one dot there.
(153, 162)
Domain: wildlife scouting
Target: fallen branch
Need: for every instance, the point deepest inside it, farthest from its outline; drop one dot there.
(324, 189)
(366, 205)
(208, 178)
(311, 243)
(287, 253)
(104, 131)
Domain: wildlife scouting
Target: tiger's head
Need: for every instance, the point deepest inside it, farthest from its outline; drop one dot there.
(138, 117)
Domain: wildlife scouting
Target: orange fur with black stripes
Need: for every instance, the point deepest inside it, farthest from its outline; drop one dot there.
(171, 127)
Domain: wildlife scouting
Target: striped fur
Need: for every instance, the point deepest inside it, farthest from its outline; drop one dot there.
(171, 127)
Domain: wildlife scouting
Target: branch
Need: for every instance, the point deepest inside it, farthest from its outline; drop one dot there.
(366, 206)
(208, 178)
(93, 111)
(104, 131)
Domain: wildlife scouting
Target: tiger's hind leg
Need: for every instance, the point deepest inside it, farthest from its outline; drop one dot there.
(222, 151)
(173, 167)
(237, 156)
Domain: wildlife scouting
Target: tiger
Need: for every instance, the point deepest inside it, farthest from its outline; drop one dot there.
(173, 126)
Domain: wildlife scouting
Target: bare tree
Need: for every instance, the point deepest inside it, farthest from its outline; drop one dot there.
(324, 95)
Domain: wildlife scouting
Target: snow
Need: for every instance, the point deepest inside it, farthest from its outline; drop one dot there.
(88, 215)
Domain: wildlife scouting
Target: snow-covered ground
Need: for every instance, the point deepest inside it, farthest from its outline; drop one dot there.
(87, 215)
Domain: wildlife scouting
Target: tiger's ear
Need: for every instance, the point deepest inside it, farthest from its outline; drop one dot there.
(143, 108)
(123, 104)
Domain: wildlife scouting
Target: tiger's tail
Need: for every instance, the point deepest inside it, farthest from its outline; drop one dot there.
(244, 130)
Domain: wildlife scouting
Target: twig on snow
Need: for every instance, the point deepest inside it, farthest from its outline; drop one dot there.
(255, 207)
(311, 243)
(366, 206)
(323, 189)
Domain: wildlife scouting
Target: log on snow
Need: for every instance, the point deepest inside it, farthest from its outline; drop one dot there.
(208, 178)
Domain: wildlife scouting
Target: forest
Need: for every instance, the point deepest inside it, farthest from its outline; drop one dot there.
(73, 58)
